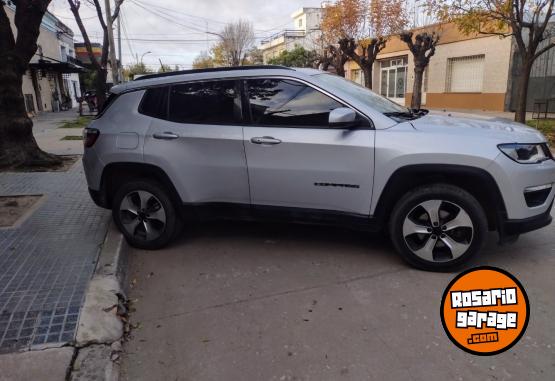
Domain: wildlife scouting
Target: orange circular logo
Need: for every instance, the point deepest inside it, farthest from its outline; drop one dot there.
(485, 311)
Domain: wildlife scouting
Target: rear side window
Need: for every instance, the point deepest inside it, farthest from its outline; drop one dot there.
(283, 102)
(215, 102)
(155, 103)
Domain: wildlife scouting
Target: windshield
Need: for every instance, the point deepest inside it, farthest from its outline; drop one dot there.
(362, 94)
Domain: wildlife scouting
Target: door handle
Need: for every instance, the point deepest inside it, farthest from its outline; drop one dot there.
(267, 140)
(166, 136)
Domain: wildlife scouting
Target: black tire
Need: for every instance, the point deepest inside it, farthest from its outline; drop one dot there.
(450, 197)
(165, 233)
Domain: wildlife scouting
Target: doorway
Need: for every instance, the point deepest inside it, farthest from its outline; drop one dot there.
(393, 79)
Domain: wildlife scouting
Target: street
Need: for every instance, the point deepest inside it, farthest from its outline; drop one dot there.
(285, 302)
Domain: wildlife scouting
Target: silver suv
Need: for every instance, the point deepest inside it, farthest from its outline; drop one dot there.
(301, 145)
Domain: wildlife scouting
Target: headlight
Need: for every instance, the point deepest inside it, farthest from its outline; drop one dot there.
(526, 153)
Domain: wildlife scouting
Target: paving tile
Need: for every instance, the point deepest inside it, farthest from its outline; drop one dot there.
(47, 262)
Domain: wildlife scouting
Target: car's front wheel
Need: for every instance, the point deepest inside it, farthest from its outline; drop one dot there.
(438, 227)
(145, 214)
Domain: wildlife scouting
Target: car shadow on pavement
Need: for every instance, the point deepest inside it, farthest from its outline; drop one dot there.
(312, 239)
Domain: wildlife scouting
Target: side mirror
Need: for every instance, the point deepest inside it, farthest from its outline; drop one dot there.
(343, 117)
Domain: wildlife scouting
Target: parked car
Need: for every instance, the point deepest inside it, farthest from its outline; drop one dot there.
(301, 145)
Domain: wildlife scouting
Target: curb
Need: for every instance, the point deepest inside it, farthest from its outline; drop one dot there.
(100, 328)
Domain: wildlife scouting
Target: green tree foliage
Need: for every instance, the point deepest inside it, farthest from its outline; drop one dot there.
(203, 61)
(298, 57)
(133, 70)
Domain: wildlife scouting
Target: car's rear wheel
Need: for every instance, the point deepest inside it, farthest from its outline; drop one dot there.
(438, 227)
(145, 214)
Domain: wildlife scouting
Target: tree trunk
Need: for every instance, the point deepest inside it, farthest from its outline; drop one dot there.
(367, 70)
(100, 87)
(416, 100)
(340, 70)
(17, 144)
(522, 90)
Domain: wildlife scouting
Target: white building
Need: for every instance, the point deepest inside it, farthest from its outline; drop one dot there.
(305, 32)
(53, 70)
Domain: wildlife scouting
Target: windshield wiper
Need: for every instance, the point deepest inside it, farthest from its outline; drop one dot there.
(401, 114)
(409, 114)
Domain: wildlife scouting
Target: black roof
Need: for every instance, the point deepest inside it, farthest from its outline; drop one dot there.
(212, 69)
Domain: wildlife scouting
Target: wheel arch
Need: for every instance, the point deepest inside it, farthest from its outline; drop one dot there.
(116, 174)
(477, 181)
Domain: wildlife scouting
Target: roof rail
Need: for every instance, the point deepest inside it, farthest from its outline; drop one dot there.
(212, 69)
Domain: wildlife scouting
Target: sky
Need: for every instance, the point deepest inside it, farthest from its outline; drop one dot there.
(178, 27)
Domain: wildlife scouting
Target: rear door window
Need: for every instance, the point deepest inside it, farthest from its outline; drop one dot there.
(155, 102)
(214, 102)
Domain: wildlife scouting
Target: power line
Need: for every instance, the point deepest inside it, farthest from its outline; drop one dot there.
(181, 12)
(165, 17)
(123, 21)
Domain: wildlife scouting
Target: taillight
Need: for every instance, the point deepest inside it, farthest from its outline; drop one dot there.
(89, 136)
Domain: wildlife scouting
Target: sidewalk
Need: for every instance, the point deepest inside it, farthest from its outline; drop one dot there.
(46, 262)
(48, 134)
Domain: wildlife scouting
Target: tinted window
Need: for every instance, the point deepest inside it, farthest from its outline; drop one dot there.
(282, 102)
(216, 102)
(155, 103)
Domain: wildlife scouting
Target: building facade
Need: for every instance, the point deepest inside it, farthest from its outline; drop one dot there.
(466, 72)
(473, 72)
(305, 33)
(52, 75)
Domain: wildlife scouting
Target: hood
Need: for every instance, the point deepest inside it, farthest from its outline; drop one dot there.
(500, 129)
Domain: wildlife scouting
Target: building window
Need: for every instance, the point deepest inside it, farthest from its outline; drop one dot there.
(300, 23)
(465, 74)
(357, 76)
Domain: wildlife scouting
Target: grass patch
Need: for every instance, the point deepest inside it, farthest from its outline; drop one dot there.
(72, 137)
(546, 127)
(80, 122)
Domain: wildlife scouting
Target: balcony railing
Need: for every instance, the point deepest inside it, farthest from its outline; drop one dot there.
(288, 33)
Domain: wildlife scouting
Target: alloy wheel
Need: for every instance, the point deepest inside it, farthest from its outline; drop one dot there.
(438, 230)
(142, 215)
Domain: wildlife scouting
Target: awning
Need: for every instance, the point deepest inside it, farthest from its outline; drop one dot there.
(57, 67)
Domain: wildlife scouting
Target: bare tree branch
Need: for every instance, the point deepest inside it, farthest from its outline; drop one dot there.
(28, 32)
(237, 39)
(74, 6)
(116, 9)
(544, 49)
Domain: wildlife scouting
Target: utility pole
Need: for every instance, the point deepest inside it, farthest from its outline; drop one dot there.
(120, 66)
(113, 61)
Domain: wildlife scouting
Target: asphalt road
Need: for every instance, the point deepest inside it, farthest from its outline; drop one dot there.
(234, 301)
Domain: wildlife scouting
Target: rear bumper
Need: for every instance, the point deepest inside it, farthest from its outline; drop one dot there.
(516, 227)
(98, 198)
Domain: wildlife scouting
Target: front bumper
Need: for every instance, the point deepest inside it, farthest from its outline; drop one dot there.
(513, 179)
(508, 228)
